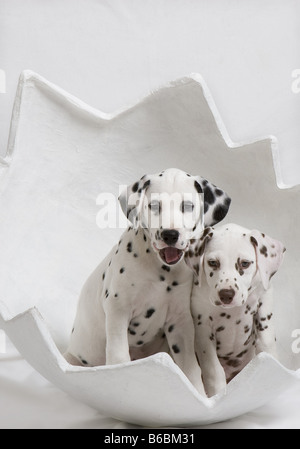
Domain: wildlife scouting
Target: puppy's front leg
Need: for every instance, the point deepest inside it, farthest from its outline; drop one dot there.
(181, 339)
(214, 377)
(116, 321)
(266, 335)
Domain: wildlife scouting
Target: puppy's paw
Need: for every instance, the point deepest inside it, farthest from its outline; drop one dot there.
(116, 359)
(200, 388)
(216, 386)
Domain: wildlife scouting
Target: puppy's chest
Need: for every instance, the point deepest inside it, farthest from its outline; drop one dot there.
(153, 292)
(234, 331)
(154, 305)
(147, 324)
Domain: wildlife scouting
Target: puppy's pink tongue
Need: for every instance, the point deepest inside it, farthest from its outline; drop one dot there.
(171, 254)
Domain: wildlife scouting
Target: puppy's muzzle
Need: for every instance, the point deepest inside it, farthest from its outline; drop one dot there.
(226, 295)
(170, 254)
(170, 236)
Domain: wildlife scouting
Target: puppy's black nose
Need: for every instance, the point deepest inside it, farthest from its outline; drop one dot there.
(170, 236)
(226, 295)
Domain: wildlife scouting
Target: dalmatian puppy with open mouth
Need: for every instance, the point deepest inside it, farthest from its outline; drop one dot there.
(137, 301)
(232, 303)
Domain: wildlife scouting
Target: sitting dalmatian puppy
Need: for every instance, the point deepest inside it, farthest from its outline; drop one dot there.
(137, 301)
(232, 303)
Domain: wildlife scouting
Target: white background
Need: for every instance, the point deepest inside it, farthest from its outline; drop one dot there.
(112, 53)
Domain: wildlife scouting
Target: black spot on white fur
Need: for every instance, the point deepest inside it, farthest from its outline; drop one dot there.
(176, 349)
(198, 187)
(149, 313)
(166, 268)
(209, 196)
(83, 361)
(135, 187)
(220, 212)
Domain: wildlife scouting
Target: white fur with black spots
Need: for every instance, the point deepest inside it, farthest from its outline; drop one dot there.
(137, 301)
(232, 301)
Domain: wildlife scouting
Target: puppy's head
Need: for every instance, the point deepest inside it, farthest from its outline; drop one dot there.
(173, 207)
(234, 262)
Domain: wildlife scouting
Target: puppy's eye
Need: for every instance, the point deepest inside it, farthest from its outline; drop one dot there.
(187, 206)
(155, 207)
(245, 263)
(214, 263)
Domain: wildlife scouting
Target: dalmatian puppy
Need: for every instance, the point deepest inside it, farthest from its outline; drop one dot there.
(137, 301)
(232, 303)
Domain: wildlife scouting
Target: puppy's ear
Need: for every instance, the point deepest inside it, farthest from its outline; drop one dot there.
(132, 198)
(269, 255)
(216, 201)
(195, 254)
